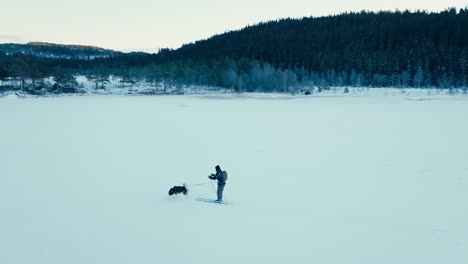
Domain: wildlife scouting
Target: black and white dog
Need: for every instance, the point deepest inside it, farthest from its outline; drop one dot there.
(178, 189)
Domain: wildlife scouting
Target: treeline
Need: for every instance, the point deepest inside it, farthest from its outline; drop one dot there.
(36, 75)
(384, 49)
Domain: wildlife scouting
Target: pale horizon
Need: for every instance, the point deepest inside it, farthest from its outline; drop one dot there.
(144, 25)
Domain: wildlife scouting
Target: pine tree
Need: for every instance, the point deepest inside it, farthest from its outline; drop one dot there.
(418, 78)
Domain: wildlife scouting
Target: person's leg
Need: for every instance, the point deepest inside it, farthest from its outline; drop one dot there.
(220, 192)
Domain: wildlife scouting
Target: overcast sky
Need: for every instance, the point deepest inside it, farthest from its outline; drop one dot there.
(152, 24)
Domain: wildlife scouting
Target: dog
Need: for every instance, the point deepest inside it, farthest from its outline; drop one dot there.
(178, 189)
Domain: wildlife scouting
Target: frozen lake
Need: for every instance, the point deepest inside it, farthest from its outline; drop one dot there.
(84, 179)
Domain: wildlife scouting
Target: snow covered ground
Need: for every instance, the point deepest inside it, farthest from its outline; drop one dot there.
(353, 179)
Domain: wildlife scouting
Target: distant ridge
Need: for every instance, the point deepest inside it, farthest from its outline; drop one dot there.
(70, 46)
(52, 50)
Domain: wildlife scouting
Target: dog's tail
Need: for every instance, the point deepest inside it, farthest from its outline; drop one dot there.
(186, 189)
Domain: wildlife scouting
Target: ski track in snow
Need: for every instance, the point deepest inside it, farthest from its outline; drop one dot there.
(336, 179)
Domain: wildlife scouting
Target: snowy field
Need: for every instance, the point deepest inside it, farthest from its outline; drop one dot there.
(355, 179)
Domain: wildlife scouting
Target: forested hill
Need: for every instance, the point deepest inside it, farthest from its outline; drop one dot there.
(50, 50)
(380, 46)
(362, 41)
(383, 49)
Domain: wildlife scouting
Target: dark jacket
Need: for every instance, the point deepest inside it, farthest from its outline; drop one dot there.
(221, 176)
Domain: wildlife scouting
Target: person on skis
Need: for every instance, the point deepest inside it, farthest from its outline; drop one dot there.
(221, 176)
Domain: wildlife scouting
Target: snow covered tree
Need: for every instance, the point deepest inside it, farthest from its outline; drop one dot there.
(64, 81)
(404, 79)
(418, 78)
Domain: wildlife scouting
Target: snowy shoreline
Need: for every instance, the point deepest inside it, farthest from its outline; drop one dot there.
(412, 93)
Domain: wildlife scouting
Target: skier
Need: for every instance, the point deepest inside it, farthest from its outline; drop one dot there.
(221, 176)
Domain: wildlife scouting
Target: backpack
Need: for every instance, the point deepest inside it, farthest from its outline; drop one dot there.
(224, 176)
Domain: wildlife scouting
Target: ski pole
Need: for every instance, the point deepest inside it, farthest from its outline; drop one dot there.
(212, 186)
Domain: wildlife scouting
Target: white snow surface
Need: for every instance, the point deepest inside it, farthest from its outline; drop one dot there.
(354, 179)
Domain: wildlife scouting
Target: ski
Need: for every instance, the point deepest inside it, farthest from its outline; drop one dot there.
(212, 201)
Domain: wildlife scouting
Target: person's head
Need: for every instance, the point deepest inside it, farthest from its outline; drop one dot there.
(218, 169)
